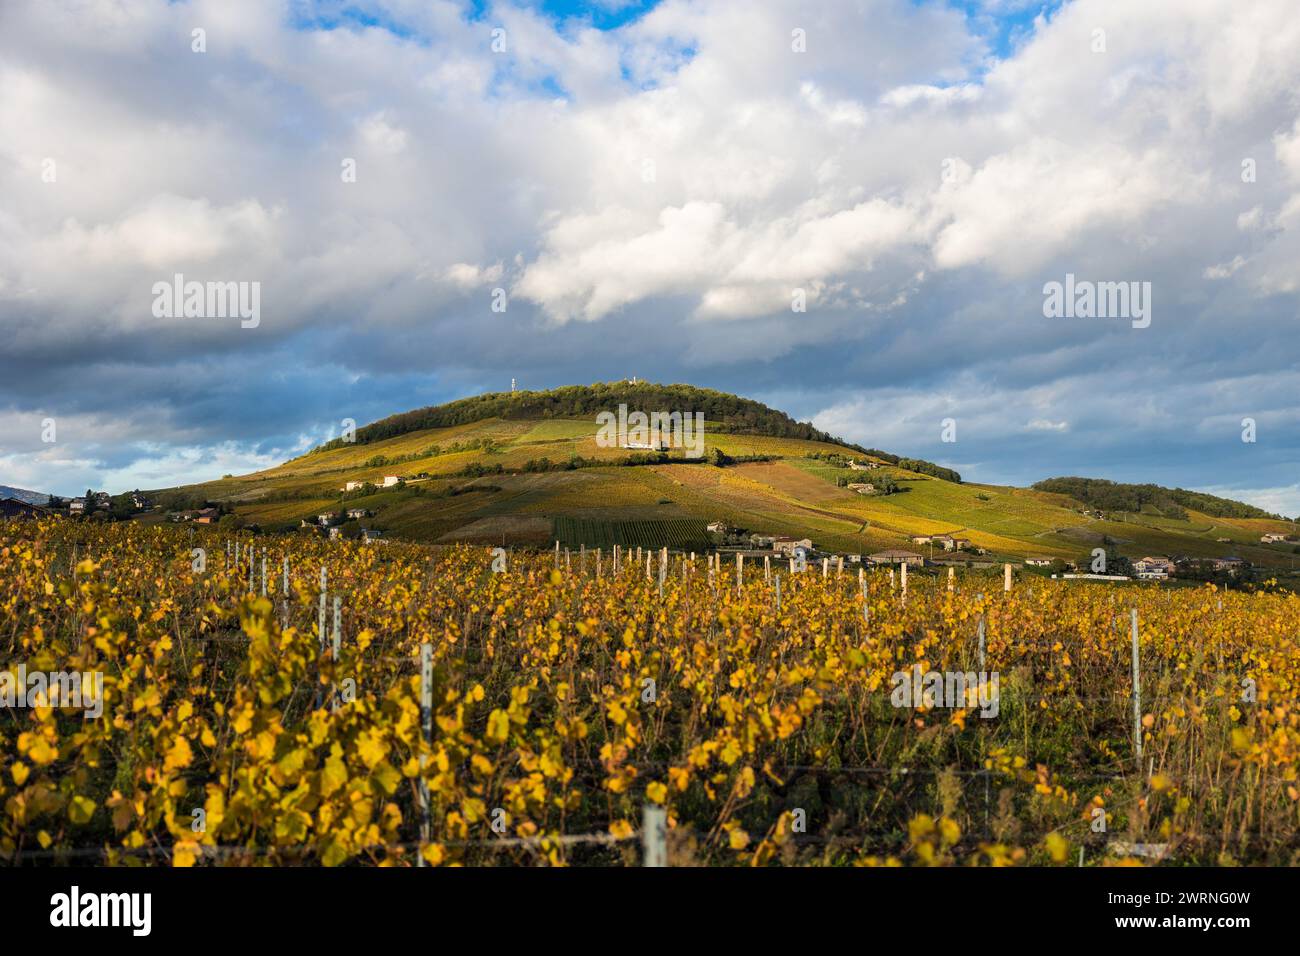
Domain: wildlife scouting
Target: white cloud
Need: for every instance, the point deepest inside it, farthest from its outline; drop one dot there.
(1225, 269)
(685, 173)
(1047, 425)
(380, 134)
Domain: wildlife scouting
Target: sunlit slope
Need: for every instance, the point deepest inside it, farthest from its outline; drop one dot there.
(791, 494)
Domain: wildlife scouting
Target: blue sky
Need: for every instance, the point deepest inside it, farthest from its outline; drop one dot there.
(649, 186)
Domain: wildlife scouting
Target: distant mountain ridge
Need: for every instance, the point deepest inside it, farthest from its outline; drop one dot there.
(23, 495)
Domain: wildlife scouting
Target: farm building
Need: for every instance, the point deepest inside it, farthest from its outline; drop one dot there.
(13, 508)
(897, 556)
(1153, 568)
(786, 545)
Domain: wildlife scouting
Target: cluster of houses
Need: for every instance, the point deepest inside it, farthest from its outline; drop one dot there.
(1275, 538)
(1151, 568)
(97, 501)
(331, 524)
(948, 550)
(785, 546)
(947, 542)
(1161, 568)
(197, 516)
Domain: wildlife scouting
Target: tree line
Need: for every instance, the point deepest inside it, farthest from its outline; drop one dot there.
(1171, 502)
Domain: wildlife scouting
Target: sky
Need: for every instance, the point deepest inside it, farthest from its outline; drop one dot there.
(434, 197)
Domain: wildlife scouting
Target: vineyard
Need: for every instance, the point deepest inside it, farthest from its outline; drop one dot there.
(520, 709)
(684, 534)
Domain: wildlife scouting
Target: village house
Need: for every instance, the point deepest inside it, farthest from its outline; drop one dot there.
(371, 536)
(326, 519)
(1038, 562)
(786, 545)
(862, 465)
(77, 506)
(716, 527)
(391, 480)
(962, 560)
(336, 533)
(656, 445)
(358, 513)
(1231, 565)
(897, 556)
(1272, 537)
(207, 516)
(862, 487)
(920, 539)
(1153, 568)
(762, 540)
(354, 485)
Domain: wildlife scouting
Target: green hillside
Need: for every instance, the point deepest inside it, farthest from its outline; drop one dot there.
(727, 413)
(526, 469)
(1152, 499)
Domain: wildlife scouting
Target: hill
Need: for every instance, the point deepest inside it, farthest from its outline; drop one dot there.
(727, 413)
(1171, 502)
(526, 468)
